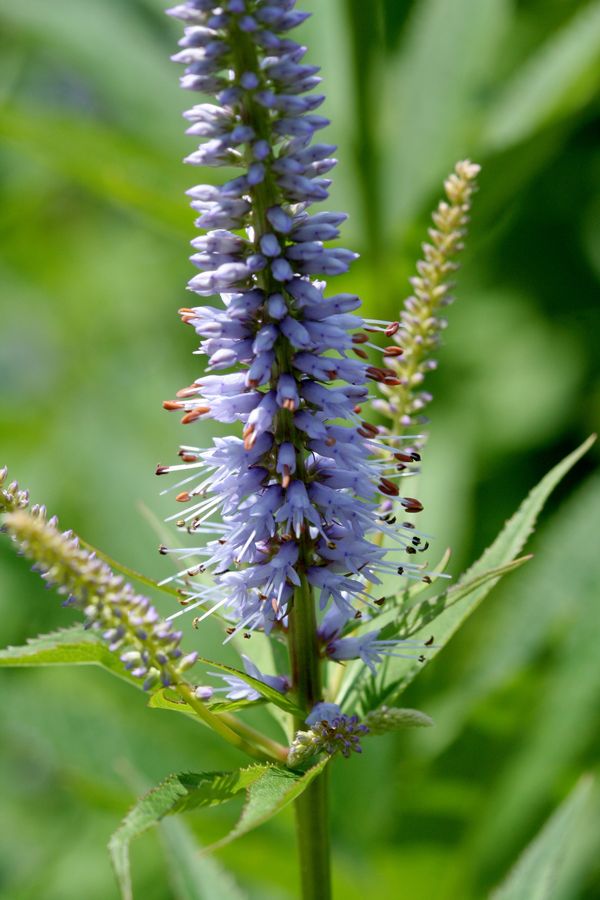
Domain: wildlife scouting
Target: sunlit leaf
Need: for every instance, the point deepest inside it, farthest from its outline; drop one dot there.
(535, 875)
(554, 83)
(269, 789)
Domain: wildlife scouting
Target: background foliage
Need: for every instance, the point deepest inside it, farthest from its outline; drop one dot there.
(93, 267)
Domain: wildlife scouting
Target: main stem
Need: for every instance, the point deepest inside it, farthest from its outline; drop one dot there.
(311, 807)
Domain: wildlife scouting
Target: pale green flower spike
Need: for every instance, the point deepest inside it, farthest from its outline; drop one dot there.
(420, 324)
(386, 718)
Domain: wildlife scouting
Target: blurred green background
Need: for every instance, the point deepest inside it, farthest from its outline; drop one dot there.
(93, 267)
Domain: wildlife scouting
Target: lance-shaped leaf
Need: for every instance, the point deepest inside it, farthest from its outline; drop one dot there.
(166, 698)
(269, 789)
(73, 646)
(534, 877)
(265, 690)
(395, 674)
(193, 876)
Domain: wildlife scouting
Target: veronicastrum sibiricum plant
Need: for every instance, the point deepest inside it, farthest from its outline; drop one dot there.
(294, 526)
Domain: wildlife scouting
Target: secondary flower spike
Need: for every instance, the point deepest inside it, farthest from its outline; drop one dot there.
(295, 499)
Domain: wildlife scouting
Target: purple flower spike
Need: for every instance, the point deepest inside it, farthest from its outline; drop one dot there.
(296, 497)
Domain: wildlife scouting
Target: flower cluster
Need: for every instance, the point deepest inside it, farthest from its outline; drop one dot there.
(295, 498)
(331, 731)
(148, 647)
(420, 322)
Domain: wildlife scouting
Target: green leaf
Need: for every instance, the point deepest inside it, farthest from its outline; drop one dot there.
(447, 56)
(168, 699)
(477, 582)
(519, 626)
(268, 795)
(535, 874)
(269, 790)
(177, 793)
(193, 876)
(554, 83)
(264, 689)
(73, 646)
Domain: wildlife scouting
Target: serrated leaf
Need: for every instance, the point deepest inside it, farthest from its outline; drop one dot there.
(534, 875)
(73, 646)
(194, 877)
(555, 82)
(415, 623)
(397, 673)
(268, 795)
(269, 789)
(177, 793)
(265, 690)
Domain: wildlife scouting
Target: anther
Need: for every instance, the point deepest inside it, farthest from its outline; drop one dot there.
(162, 470)
(183, 497)
(194, 414)
(162, 550)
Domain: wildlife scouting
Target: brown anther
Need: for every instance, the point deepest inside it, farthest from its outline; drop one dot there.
(426, 579)
(362, 354)
(330, 442)
(390, 487)
(289, 404)
(380, 601)
(360, 338)
(172, 404)
(184, 601)
(229, 630)
(180, 523)
(194, 414)
(404, 457)
(400, 570)
(161, 470)
(422, 658)
(429, 641)
(411, 505)
(357, 410)
(393, 351)
(408, 525)
(249, 437)
(410, 550)
(392, 328)
(262, 597)
(188, 458)
(416, 541)
(358, 614)
(247, 635)
(188, 391)
(392, 382)
(185, 311)
(196, 622)
(424, 547)
(331, 545)
(162, 550)
(332, 374)
(222, 541)
(370, 427)
(183, 497)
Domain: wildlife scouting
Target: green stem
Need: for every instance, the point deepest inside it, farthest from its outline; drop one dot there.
(313, 840)
(221, 727)
(311, 806)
